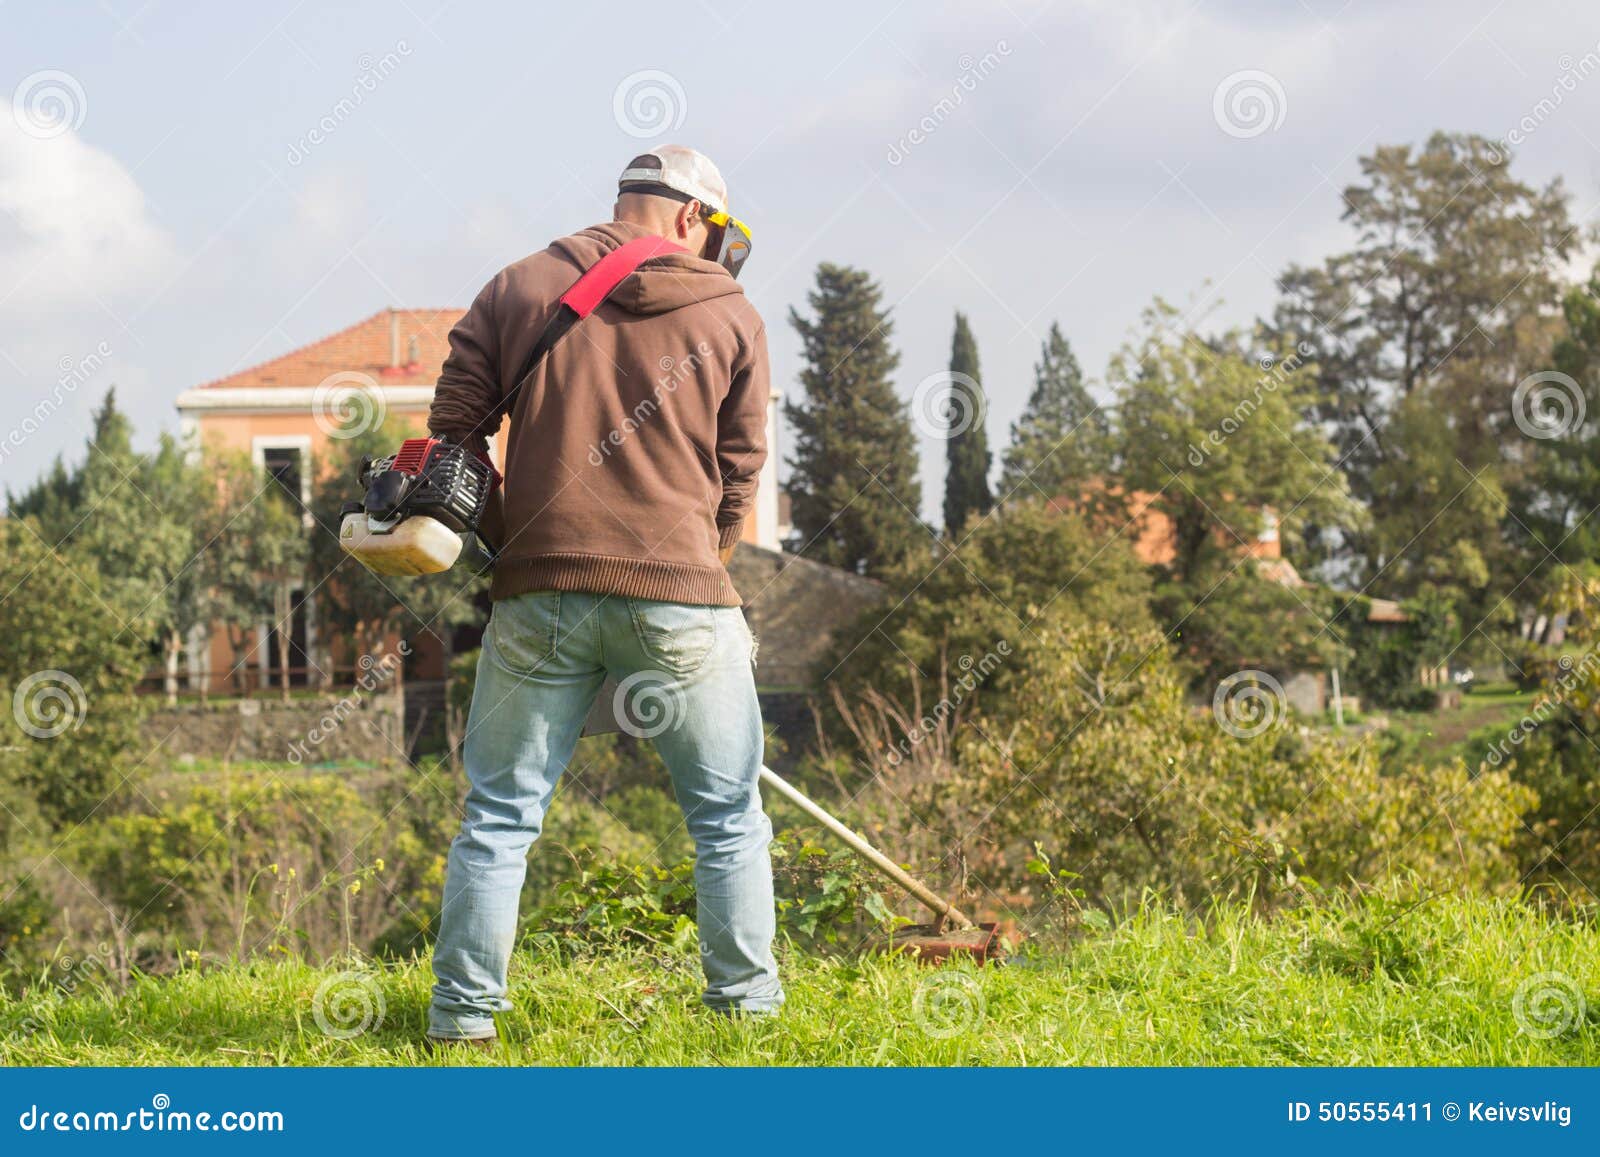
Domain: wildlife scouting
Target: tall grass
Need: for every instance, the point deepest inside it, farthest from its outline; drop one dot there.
(1358, 984)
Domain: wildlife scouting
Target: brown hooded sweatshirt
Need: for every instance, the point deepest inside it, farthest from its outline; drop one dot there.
(635, 446)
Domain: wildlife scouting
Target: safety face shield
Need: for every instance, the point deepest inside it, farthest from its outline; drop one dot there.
(729, 244)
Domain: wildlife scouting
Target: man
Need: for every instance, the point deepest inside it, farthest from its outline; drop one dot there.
(632, 459)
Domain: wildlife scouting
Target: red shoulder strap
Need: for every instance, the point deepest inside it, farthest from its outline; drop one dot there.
(606, 274)
(585, 296)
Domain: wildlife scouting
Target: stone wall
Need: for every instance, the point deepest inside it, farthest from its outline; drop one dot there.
(357, 726)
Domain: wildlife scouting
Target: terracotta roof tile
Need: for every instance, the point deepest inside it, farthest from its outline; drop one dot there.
(367, 347)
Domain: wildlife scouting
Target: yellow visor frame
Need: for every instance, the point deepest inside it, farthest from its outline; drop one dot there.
(732, 242)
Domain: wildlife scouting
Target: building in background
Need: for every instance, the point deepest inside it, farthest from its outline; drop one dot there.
(284, 413)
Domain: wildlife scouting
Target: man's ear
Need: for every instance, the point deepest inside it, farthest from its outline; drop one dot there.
(688, 212)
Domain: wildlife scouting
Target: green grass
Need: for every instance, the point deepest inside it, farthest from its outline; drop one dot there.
(1360, 986)
(1442, 735)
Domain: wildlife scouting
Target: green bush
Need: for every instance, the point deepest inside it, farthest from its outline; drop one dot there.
(824, 897)
(1386, 658)
(975, 604)
(1097, 757)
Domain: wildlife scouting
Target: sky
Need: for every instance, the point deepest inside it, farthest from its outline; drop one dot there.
(187, 190)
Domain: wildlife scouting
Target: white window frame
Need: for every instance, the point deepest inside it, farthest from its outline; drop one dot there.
(261, 443)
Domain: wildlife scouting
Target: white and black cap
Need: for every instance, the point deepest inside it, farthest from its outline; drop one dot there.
(681, 169)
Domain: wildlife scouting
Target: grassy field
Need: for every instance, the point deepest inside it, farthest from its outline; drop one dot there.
(1442, 735)
(1451, 982)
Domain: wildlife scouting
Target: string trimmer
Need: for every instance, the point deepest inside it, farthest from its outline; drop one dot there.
(950, 932)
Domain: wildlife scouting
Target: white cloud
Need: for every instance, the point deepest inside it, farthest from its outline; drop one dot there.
(74, 226)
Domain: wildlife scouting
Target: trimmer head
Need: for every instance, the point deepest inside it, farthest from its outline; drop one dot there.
(931, 945)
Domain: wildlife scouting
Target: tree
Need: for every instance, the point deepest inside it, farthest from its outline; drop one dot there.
(1561, 483)
(133, 515)
(256, 554)
(967, 457)
(1058, 446)
(854, 483)
(1215, 448)
(67, 670)
(1430, 320)
(985, 595)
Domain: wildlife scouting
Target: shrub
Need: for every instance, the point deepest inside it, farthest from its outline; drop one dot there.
(69, 667)
(1097, 759)
(978, 600)
(824, 896)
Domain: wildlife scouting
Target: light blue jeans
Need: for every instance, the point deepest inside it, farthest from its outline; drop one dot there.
(685, 682)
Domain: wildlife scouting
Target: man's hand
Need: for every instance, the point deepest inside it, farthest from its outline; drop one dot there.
(726, 553)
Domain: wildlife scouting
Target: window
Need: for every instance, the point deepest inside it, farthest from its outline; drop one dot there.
(286, 458)
(283, 464)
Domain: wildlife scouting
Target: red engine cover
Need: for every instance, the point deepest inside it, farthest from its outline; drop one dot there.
(414, 454)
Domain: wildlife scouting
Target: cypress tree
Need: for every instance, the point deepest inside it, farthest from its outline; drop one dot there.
(853, 484)
(1059, 443)
(967, 457)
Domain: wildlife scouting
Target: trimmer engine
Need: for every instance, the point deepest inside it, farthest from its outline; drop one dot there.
(418, 503)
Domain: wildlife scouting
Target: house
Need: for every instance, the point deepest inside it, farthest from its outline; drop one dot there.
(285, 411)
(1154, 536)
